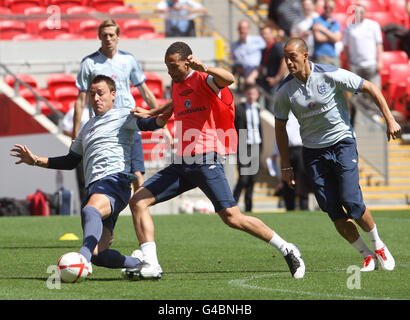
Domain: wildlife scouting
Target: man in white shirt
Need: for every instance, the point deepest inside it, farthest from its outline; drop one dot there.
(363, 46)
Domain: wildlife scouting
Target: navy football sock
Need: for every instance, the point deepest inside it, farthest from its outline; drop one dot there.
(113, 259)
(92, 228)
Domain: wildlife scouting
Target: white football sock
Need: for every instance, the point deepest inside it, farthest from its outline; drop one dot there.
(278, 243)
(373, 235)
(149, 250)
(362, 247)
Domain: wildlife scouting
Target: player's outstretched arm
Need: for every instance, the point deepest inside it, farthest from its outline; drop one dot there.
(223, 78)
(393, 128)
(24, 155)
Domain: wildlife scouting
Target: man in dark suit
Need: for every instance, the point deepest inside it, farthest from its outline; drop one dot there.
(248, 126)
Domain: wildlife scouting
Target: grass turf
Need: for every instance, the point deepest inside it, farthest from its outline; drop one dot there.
(203, 259)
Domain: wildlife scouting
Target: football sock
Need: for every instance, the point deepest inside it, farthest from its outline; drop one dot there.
(362, 247)
(113, 259)
(278, 243)
(149, 250)
(373, 235)
(92, 229)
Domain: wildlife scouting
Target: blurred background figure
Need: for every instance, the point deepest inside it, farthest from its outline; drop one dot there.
(246, 52)
(272, 67)
(326, 33)
(302, 28)
(282, 14)
(179, 15)
(247, 118)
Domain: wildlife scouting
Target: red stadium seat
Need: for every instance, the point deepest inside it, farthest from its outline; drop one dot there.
(49, 29)
(77, 14)
(370, 5)
(122, 9)
(135, 28)
(89, 28)
(45, 110)
(398, 74)
(384, 18)
(390, 58)
(27, 37)
(59, 80)
(33, 16)
(154, 82)
(105, 5)
(18, 6)
(402, 98)
(137, 96)
(9, 79)
(65, 4)
(66, 96)
(10, 28)
(5, 11)
(69, 36)
(151, 35)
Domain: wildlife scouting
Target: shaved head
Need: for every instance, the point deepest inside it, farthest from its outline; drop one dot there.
(298, 43)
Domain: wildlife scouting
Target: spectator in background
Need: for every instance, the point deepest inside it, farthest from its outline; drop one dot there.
(178, 17)
(302, 28)
(301, 189)
(247, 120)
(326, 33)
(246, 51)
(272, 67)
(282, 14)
(363, 46)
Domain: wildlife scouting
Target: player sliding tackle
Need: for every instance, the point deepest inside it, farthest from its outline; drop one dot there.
(105, 144)
(204, 91)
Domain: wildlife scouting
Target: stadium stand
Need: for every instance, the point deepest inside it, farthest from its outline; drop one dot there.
(47, 30)
(89, 28)
(64, 5)
(18, 6)
(135, 28)
(105, 5)
(66, 95)
(11, 28)
(30, 80)
(59, 80)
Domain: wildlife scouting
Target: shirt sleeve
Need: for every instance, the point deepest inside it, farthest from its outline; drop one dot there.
(83, 77)
(137, 76)
(347, 81)
(281, 106)
(77, 146)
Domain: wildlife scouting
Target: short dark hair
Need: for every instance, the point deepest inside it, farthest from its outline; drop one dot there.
(108, 80)
(250, 86)
(300, 43)
(179, 47)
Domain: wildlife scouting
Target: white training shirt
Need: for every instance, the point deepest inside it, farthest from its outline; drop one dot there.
(319, 104)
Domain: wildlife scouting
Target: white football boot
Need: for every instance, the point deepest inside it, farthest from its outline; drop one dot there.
(295, 262)
(143, 271)
(369, 264)
(385, 258)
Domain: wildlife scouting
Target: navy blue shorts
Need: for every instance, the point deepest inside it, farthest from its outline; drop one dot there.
(334, 173)
(117, 189)
(137, 155)
(178, 178)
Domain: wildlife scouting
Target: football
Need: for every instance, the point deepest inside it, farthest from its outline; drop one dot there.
(73, 267)
(186, 206)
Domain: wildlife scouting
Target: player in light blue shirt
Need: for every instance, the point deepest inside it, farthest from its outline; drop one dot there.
(125, 70)
(105, 144)
(315, 95)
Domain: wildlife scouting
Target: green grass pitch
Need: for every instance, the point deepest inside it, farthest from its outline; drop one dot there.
(203, 259)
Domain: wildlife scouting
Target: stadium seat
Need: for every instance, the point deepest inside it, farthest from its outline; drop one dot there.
(30, 80)
(66, 96)
(89, 28)
(10, 28)
(135, 28)
(27, 37)
(33, 17)
(151, 35)
(398, 74)
(105, 5)
(384, 18)
(47, 30)
(69, 36)
(77, 14)
(154, 82)
(64, 5)
(59, 80)
(396, 5)
(45, 110)
(122, 9)
(137, 95)
(370, 5)
(18, 6)
(5, 11)
(402, 98)
(390, 58)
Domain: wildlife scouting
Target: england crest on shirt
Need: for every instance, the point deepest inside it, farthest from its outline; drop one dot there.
(322, 88)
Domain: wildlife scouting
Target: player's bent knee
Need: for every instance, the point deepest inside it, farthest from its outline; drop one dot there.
(231, 218)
